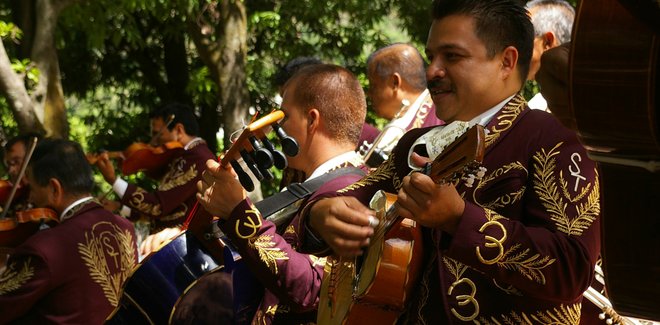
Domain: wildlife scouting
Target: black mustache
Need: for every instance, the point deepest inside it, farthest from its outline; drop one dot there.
(433, 83)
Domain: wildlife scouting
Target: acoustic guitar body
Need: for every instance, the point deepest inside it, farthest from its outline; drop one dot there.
(613, 88)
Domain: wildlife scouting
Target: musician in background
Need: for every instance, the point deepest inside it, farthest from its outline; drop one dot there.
(521, 244)
(71, 273)
(15, 151)
(553, 23)
(169, 204)
(397, 91)
(324, 107)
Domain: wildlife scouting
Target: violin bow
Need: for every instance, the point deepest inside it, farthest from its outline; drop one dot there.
(169, 121)
(21, 173)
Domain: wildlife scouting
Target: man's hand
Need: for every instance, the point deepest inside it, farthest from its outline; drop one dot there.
(344, 223)
(219, 191)
(154, 242)
(106, 168)
(432, 205)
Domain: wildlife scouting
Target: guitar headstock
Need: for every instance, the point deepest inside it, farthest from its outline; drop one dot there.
(258, 153)
(461, 159)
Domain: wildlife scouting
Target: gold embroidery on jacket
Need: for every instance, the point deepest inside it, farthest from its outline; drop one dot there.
(513, 259)
(254, 226)
(177, 176)
(506, 117)
(317, 261)
(506, 199)
(457, 269)
(545, 186)
(384, 172)
(565, 315)
(176, 215)
(15, 276)
(137, 202)
(107, 251)
(267, 252)
(290, 230)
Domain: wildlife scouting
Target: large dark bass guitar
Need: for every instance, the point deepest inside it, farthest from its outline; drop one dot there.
(375, 286)
(163, 281)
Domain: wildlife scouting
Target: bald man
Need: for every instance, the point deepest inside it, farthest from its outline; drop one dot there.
(397, 90)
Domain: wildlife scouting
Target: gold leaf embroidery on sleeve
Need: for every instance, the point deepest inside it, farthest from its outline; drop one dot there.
(384, 172)
(267, 252)
(508, 114)
(317, 261)
(103, 250)
(137, 202)
(176, 176)
(562, 315)
(290, 230)
(505, 199)
(14, 276)
(546, 188)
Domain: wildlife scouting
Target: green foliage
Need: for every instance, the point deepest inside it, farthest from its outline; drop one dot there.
(9, 30)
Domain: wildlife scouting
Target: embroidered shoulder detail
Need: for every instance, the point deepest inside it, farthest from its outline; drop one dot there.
(553, 195)
(268, 253)
(384, 172)
(177, 176)
(108, 254)
(137, 201)
(567, 315)
(15, 276)
(505, 118)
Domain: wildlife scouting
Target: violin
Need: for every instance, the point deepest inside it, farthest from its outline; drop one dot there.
(143, 157)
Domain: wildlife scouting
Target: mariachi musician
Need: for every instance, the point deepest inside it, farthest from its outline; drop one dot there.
(397, 90)
(70, 273)
(175, 195)
(15, 150)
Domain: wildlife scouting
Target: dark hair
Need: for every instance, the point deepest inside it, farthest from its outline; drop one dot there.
(338, 96)
(400, 58)
(498, 23)
(63, 160)
(23, 138)
(290, 68)
(182, 114)
(554, 16)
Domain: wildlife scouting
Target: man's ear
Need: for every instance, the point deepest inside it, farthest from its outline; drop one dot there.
(549, 40)
(313, 118)
(395, 81)
(55, 192)
(509, 60)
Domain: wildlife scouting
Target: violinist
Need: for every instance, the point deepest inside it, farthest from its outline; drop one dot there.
(15, 150)
(71, 273)
(169, 204)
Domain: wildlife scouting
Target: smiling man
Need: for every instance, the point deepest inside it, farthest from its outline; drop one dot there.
(520, 245)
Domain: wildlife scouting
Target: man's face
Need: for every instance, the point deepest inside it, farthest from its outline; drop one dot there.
(14, 159)
(294, 124)
(157, 124)
(381, 96)
(462, 79)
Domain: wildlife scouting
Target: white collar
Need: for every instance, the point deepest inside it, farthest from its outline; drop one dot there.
(64, 215)
(349, 156)
(484, 118)
(192, 143)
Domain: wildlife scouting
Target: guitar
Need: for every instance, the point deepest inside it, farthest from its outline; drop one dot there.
(376, 285)
(163, 280)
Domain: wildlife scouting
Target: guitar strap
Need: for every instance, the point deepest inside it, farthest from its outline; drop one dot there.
(281, 207)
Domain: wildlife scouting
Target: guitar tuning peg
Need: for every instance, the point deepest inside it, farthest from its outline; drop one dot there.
(251, 164)
(262, 156)
(279, 159)
(243, 177)
(289, 144)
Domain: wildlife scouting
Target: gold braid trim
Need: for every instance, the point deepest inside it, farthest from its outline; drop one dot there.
(177, 176)
(529, 267)
(267, 252)
(562, 315)
(13, 277)
(384, 172)
(506, 117)
(545, 186)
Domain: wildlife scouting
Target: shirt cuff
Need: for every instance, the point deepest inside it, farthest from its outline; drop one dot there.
(120, 187)
(125, 211)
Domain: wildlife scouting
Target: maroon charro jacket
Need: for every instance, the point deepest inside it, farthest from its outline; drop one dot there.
(169, 204)
(71, 273)
(292, 280)
(527, 243)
